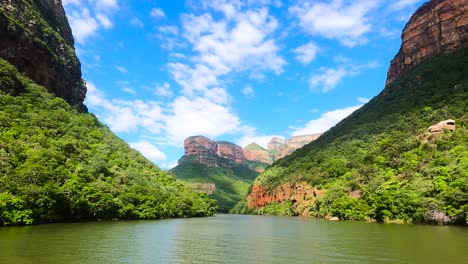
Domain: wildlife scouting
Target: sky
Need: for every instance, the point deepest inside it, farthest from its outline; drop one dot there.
(243, 71)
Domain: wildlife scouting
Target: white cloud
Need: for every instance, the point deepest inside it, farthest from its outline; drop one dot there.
(169, 30)
(164, 90)
(126, 116)
(325, 121)
(104, 20)
(148, 150)
(306, 53)
(121, 69)
(86, 18)
(198, 116)
(82, 24)
(137, 22)
(248, 91)
(129, 90)
(329, 78)
(157, 13)
(347, 21)
(363, 100)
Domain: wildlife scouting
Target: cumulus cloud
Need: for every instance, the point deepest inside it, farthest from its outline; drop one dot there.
(124, 116)
(325, 121)
(157, 13)
(329, 78)
(199, 116)
(326, 79)
(248, 91)
(347, 21)
(148, 150)
(137, 22)
(306, 53)
(164, 90)
(121, 69)
(129, 90)
(88, 17)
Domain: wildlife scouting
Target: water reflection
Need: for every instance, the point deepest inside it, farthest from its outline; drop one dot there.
(233, 239)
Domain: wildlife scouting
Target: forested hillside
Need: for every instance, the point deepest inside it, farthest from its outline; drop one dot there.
(381, 163)
(60, 165)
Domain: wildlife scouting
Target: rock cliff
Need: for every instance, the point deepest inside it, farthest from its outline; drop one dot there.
(438, 26)
(37, 39)
(255, 152)
(280, 148)
(230, 151)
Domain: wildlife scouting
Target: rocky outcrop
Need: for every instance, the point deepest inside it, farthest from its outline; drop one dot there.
(254, 152)
(276, 145)
(301, 194)
(300, 141)
(439, 26)
(280, 148)
(441, 126)
(37, 39)
(230, 151)
(202, 150)
(206, 151)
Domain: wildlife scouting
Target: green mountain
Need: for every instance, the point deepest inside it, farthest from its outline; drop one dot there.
(218, 168)
(382, 163)
(58, 163)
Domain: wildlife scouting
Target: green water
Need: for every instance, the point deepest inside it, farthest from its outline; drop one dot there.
(233, 239)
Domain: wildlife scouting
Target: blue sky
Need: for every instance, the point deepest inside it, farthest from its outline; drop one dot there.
(238, 70)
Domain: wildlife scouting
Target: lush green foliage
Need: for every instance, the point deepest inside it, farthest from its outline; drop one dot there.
(60, 165)
(232, 181)
(384, 151)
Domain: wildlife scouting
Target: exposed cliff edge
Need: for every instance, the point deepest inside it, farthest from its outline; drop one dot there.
(437, 27)
(373, 165)
(37, 39)
(208, 152)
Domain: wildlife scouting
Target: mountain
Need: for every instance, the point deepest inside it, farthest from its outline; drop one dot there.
(57, 162)
(225, 170)
(218, 168)
(382, 163)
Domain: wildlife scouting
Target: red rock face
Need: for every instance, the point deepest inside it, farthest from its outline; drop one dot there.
(439, 26)
(200, 145)
(258, 155)
(302, 195)
(280, 148)
(230, 151)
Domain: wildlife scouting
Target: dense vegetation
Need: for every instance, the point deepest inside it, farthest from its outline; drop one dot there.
(232, 181)
(384, 151)
(59, 165)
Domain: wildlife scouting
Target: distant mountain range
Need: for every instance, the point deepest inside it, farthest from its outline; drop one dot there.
(225, 170)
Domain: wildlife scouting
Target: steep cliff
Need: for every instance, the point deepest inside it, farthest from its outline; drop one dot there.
(254, 152)
(36, 38)
(377, 164)
(277, 148)
(230, 151)
(57, 164)
(439, 26)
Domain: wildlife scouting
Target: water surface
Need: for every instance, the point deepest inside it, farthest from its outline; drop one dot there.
(233, 239)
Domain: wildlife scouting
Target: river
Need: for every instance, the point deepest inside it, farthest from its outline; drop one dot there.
(233, 239)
